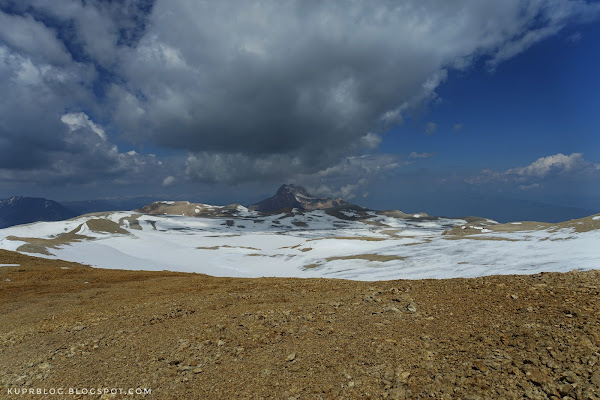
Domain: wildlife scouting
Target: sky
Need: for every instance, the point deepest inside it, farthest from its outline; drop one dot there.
(423, 105)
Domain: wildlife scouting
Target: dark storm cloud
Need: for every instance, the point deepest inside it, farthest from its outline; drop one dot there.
(281, 87)
(244, 90)
(42, 141)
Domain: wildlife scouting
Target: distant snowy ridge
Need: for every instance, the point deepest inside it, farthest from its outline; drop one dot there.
(185, 208)
(334, 243)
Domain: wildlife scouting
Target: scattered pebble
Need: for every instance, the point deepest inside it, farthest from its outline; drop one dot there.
(44, 365)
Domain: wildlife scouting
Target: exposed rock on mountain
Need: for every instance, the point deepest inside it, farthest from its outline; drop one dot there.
(294, 196)
(23, 210)
(188, 209)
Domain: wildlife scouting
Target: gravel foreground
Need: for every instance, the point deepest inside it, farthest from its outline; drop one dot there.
(188, 336)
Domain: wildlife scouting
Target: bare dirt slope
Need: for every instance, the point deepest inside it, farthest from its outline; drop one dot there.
(190, 336)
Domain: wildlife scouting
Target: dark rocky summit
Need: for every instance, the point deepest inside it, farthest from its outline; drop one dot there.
(294, 196)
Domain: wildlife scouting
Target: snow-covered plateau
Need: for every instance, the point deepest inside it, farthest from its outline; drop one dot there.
(309, 244)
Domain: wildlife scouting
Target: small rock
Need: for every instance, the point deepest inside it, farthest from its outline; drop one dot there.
(569, 377)
(392, 309)
(493, 365)
(565, 389)
(514, 296)
(388, 375)
(480, 366)
(44, 365)
(197, 370)
(368, 298)
(78, 327)
(220, 343)
(402, 377)
(397, 393)
(291, 357)
(537, 378)
(411, 307)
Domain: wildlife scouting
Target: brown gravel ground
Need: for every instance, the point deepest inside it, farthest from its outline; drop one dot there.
(189, 336)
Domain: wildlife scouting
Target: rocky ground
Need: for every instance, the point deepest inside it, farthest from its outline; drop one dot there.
(185, 336)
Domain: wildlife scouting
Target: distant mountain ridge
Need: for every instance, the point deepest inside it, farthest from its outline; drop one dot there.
(19, 210)
(24, 210)
(81, 207)
(294, 196)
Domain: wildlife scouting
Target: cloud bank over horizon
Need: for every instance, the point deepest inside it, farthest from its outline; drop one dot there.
(239, 91)
(544, 169)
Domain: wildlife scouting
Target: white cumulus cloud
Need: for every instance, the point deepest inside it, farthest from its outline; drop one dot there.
(168, 181)
(531, 176)
(80, 120)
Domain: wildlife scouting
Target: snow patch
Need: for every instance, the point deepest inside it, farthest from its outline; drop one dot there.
(312, 244)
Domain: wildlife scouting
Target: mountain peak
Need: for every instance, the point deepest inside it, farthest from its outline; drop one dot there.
(293, 189)
(294, 196)
(15, 199)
